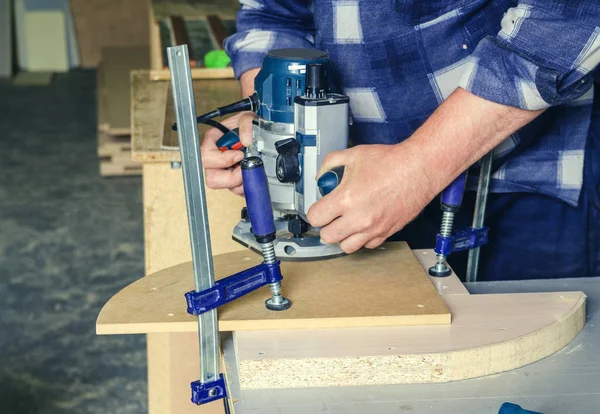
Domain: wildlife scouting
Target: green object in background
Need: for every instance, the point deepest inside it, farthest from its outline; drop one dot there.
(216, 59)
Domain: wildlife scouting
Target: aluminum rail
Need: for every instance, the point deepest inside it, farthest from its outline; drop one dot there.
(195, 197)
(479, 213)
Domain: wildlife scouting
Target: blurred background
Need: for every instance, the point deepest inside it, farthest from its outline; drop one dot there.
(71, 206)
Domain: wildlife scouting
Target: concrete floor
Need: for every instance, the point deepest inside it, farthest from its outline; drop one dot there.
(69, 240)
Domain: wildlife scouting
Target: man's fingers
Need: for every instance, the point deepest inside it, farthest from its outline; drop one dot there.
(210, 138)
(239, 190)
(324, 211)
(246, 129)
(336, 231)
(376, 242)
(354, 242)
(213, 158)
(217, 179)
(213, 134)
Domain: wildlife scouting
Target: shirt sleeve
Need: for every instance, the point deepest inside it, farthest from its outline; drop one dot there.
(263, 25)
(544, 55)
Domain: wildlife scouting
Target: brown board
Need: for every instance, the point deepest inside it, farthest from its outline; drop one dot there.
(382, 287)
(101, 23)
(186, 8)
(149, 108)
(117, 64)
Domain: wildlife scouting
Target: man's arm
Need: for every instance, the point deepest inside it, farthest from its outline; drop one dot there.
(543, 56)
(385, 187)
(262, 25)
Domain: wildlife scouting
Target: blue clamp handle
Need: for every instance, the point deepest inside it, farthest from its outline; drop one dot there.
(209, 391)
(232, 287)
(330, 180)
(510, 408)
(462, 240)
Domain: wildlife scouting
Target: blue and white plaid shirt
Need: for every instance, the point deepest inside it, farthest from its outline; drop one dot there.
(398, 60)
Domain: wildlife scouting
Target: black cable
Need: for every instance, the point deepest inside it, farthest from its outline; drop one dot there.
(218, 125)
(247, 104)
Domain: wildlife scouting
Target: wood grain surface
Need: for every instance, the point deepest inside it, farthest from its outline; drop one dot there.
(382, 287)
(117, 63)
(149, 109)
(101, 23)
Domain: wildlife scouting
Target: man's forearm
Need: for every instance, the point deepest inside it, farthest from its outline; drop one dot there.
(247, 81)
(461, 131)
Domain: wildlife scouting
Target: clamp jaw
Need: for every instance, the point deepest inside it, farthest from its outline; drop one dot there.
(465, 239)
(209, 391)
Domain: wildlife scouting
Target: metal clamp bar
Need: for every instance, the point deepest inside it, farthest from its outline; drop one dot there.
(479, 213)
(193, 179)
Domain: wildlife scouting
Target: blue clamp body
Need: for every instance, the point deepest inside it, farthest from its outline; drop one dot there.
(209, 391)
(232, 287)
(462, 240)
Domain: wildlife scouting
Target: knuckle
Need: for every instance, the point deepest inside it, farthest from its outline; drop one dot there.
(367, 221)
(346, 200)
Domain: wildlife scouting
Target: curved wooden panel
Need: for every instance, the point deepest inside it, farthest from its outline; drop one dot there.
(489, 334)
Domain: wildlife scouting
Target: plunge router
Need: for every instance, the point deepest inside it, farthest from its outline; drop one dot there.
(300, 119)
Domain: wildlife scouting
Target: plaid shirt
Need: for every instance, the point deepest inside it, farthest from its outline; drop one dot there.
(398, 60)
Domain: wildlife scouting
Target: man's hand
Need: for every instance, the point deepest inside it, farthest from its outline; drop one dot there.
(384, 187)
(220, 167)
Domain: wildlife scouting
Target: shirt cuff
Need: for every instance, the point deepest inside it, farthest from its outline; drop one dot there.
(248, 49)
(500, 74)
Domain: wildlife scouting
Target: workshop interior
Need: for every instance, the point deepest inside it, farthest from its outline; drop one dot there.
(182, 182)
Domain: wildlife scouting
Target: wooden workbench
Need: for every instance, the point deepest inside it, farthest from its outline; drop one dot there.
(173, 357)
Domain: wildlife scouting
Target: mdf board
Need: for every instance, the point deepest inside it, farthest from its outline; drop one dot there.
(117, 64)
(46, 41)
(102, 23)
(382, 287)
